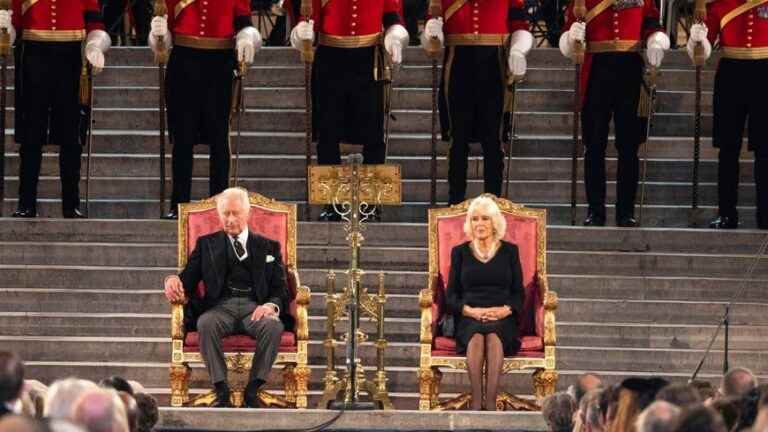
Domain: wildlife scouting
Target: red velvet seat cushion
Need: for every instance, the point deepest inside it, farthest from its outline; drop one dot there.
(240, 343)
(528, 344)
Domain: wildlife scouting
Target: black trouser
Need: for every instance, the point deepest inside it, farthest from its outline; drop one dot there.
(740, 97)
(199, 93)
(613, 90)
(114, 11)
(50, 110)
(348, 104)
(413, 11)
(476, 104)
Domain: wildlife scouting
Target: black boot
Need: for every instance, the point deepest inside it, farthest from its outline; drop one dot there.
(594, 219)
(171, 215)
(626, 222)
(73, 213)
(252, 393)
(222, 395)
(25, 213)
(725, 222)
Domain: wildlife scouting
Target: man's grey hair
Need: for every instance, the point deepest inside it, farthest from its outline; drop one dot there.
(101, 410)
(557, 410)
(660, 416)
(234, 193)
(737, 382)
(62, 395)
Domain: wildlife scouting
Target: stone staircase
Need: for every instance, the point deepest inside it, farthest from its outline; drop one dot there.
(84, 297)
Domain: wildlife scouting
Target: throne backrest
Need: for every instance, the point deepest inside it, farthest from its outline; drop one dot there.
(269, 218)
(526, 228)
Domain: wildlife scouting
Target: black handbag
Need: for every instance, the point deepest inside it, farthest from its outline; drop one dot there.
(447, 325)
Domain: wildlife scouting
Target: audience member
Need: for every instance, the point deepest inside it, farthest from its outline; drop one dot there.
(20, 423)
(681, 395)
(700, 419)
(609, 399)
(118, 383)
(635, 395)
(660, 416)
(558, 410)
(748, 406)
(100, 410)
(62, 395)
(584, 383)
(148, 412)
(61, 425)
(737, 382)
(728, 410)
(131, 410)
(589, 412)
(136, 387)
(705, 388)
(11, 383)
(37, 393)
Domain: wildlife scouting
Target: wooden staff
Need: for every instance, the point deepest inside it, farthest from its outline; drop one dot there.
(699, 58)
(579, 11)
(5, 52)
(433, 51)
(307, 57)
(161, 59)
(649, 111)
(86, 100)
(238, 109)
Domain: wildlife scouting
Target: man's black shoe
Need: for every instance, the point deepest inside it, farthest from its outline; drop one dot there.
(24, 213)
(251, 397)
(725, 222)
(74, 213)
(171, 215)
(222, 395)
(626, 222)
(329, 215)
(593, 219)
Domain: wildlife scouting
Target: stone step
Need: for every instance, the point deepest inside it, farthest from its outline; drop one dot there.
(386, 258)
(128, 188)
(392, 235)
(143, 142)
(663, 334)
(661, 288)
(397, 306)
(253, 165)
(134, 349)
(276, 56)
(666, 216)
(408, 121)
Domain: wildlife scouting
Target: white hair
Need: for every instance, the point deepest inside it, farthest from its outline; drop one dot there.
(233, 193)
(659, 416)
(488, 206)
(62, 395)
(101, 410)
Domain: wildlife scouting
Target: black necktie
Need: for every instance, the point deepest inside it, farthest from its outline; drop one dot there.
(238, 247)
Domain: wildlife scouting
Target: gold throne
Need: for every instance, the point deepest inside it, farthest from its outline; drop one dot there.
(526, 227)
(276, 221)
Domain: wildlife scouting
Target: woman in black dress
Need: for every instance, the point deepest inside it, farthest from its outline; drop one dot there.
(485, 295)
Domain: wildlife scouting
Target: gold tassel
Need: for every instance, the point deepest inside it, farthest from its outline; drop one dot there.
(85, 86)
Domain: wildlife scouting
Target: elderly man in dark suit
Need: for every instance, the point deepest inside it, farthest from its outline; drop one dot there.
(245, 293)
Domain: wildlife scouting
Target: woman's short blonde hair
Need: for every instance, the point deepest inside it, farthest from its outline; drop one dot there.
(488, 206)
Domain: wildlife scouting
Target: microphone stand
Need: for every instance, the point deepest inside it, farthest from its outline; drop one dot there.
(725, 320)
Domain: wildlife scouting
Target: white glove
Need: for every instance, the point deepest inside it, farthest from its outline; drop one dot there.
(96, 44)
(7, 24)
(520, 44)
(159, 28)
(304, 31)
(655, 46)
(248, 41)
(699, 35)
(394, 39)
(433, 29)
(577, 33)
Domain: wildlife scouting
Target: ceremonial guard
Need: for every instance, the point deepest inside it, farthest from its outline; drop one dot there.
(487, 42)
(348, 74)
(611, 80)
(740, 94)
(57, 37)
(209, 39)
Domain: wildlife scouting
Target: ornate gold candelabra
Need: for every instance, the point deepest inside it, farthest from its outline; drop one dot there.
(354, 190)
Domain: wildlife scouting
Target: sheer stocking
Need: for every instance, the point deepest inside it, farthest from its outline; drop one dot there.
(475, 360)
(494, 351)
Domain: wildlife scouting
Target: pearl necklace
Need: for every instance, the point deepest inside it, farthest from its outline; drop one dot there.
(485, 257)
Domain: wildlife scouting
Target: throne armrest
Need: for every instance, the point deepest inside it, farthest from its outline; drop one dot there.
(302, 314)
(550, 306)
(426, 300)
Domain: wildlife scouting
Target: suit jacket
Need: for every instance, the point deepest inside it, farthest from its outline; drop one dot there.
(208, 264)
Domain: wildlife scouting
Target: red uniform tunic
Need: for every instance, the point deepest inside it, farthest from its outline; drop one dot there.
(745, 36)
(56, 20)
(483, 22)
(352, 23)
(623, 27)
(207, 24)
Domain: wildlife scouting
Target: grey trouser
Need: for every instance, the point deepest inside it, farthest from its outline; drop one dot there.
(233, 316)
